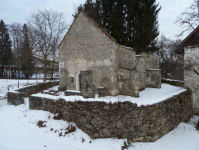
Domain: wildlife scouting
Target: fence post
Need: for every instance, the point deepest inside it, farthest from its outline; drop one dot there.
(18, 84)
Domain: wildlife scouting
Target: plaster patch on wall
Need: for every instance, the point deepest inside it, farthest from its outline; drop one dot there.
(77, 62)
(99, 62)
(90, 63)
(61, 64)
(114, 92)
(112, 55)
(71, 75)
(120, 84)
(108, 62)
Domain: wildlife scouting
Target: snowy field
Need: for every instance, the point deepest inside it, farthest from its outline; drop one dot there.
(19, 131)
(10, 84)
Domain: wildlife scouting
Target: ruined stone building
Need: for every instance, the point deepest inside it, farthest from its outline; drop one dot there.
(189, 47)
(90, 60)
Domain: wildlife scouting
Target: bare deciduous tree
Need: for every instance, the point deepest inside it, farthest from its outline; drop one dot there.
(15, 32)
(47, 30)
(189, 19)
(171, 63)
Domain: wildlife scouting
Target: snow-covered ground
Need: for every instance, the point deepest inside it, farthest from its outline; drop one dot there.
(10, 84)
(19, 131)
(148, 96)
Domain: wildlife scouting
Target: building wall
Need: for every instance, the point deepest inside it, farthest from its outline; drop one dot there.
(141, 67)
(127, 70)
(153, 78)
(149, 72)
(191, 79)
(87, 47)
(115, 67)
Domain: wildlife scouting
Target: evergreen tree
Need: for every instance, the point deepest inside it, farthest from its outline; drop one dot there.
(5, 50)
(78, 10)
(26, 56)
(91, 8)
(117, 21)
(131, 22)
(146, 26)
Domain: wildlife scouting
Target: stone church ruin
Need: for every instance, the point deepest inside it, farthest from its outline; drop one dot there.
(91, 61)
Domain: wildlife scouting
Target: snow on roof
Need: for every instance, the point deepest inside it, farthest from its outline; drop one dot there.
(148, 96)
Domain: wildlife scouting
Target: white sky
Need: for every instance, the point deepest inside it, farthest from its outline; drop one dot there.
(17, 11)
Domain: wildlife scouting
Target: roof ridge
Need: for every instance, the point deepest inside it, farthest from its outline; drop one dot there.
(98, 26)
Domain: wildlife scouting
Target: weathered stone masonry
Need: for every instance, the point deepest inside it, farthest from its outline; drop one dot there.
(115, 67)
(17, 97)
(121, 120)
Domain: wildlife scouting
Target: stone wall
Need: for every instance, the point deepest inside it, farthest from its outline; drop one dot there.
(128, 82)
(173, 82)
(85, 46)
(126, 58)
(122, 119)
(127, 71)
(149, 72)
(153, 78)
(17, 97)
(115, 67)
(86, 84)
(141, 67)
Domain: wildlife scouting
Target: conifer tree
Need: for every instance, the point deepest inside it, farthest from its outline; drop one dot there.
(146, 26)
(117, 21)
(26, 56)
(5, 50)
(131, 22)
(91, 8)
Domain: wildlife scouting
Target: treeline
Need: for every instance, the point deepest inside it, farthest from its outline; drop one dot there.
(133, 23)
(31, 46)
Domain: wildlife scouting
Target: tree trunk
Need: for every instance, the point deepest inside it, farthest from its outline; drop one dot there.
(44, 69)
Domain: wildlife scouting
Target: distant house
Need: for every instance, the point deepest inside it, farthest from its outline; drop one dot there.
(190, 48)
(117, 68)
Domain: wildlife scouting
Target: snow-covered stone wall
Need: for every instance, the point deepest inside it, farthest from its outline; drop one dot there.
(121, 119)
(17, 97)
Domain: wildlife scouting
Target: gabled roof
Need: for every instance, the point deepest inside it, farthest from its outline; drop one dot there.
(185, 42)
(106, 33)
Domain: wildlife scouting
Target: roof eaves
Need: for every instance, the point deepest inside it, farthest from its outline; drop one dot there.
(186, 38)
(68, 30)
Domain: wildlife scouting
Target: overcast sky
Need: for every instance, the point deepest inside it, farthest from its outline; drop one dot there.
(17, 11)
